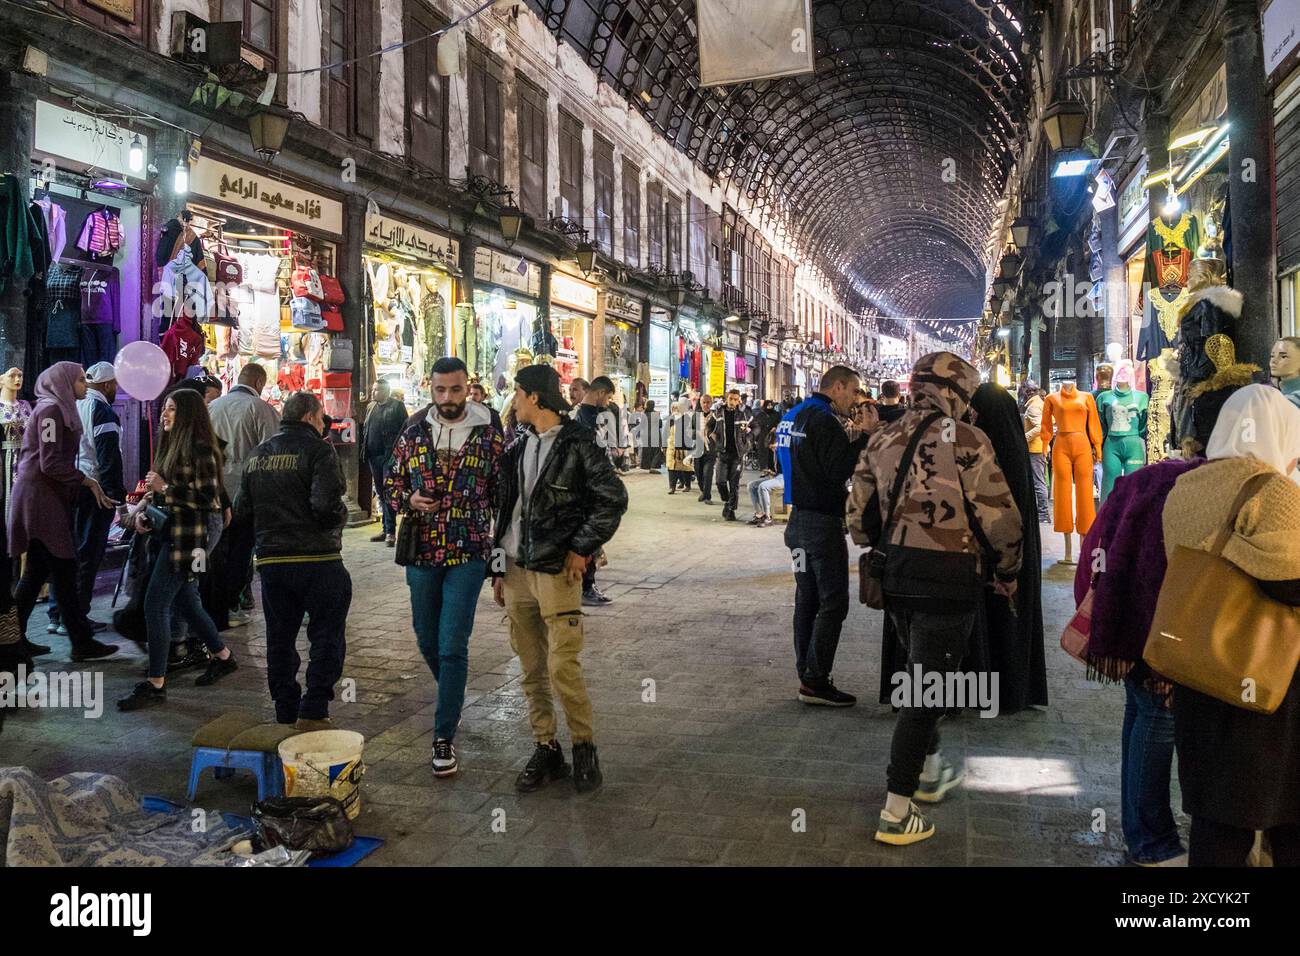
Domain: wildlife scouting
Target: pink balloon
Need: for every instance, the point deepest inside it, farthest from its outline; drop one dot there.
(143, 370)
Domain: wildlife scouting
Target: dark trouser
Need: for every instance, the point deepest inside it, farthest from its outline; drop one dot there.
(1217, 844)
(936, 643)
(1146, 765)
(377, 480)
(90, 524)
(169, 593)
(290, 591)
(679, 479)
(214, 592)
(236, 570)
(62, 574)
(821, 596)
(1038, 462)
(729, 469)
(704, 474)
(589, 574)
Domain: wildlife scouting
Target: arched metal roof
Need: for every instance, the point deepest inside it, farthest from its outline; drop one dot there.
(889, 159)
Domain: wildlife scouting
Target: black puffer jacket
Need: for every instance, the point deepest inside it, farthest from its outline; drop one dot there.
(577, 503)
(293, 490)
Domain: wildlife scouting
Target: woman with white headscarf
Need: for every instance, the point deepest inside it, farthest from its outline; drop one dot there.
(1239, 770)
(681, 461)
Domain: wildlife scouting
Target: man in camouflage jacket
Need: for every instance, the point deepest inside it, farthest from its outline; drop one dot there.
(954, 501)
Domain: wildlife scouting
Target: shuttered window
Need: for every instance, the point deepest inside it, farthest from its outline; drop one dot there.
(654, 225)
(631, 214)
(603, 181)
(485, 75)
(532, 149)
(673, 232)
(426, 100)
(1286, 136)
(570, 167)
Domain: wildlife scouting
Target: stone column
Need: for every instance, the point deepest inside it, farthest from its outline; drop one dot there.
(1250, 181)
(17, 130)
(348, 271)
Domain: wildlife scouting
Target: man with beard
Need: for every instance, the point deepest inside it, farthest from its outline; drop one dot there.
(443, 477)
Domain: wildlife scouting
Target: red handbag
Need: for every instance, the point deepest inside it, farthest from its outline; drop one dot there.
(338, 379)
(333, 318)
(306, 283)
(229, 271)
(332, 290)
(1074, 639)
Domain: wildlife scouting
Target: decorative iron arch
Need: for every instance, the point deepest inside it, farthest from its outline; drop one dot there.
(888, 160)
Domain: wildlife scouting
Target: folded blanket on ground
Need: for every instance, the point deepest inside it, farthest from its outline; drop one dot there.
(94, 819)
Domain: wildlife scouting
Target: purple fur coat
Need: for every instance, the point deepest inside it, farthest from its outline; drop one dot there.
(1129, 532)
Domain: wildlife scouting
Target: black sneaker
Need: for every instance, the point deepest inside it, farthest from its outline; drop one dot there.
(382, 536)
(245, 600)
(913, 828)
(547, 764)
(91, 650)
(728, 515)
(183, 658)
(217, 669)
(144, 694)
(827, 695)
(444, 759)
(586, 768)
(595, 598)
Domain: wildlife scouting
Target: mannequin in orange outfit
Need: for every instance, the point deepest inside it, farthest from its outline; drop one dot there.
(1072, 416)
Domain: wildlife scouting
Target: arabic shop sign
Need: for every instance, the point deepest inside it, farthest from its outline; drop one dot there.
(1281, 35)
(393, 235)
(616, 303)
(261, 194)
(86, 139)
(507, 270)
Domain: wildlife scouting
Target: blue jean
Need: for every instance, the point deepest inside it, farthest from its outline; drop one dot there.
(760, 493)
(1147, 758)
(377, 473)
(443, 600)
(169, 590)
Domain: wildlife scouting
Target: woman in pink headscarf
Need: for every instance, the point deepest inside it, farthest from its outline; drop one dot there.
(40, 515)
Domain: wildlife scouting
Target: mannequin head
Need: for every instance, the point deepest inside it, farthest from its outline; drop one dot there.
(1067, 388)
(1123, 376)
(1283, 362)
(12, 382)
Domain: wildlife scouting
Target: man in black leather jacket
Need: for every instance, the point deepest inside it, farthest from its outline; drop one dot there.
(292, 490)
(560, 501)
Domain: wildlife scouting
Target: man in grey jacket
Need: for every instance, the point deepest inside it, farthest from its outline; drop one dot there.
(243, 421)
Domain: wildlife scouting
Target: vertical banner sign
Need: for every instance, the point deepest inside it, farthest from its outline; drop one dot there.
(742, 41)
(717, 373)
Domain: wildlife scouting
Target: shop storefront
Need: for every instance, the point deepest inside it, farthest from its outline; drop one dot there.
(409, 278)
(275, 300)
(622, 334)
(663, 355)
(574, 305)
(500, 329)
(87, 297)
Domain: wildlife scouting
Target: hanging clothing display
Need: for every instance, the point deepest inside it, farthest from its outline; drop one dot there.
(101, 321)
(101, 235)
(1123, 414)
(55, 218)
(1071, 415)
(63, 312)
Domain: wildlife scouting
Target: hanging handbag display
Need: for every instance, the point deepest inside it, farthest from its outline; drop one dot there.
(1216, 632)
(306, 283)
(873, 562)
(339, 354)
(1074, 639)
(304, 314)
(331, 291)
(332, 318)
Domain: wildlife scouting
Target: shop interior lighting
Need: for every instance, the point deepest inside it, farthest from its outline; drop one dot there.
(135, 158)
(1072, 167)
(181, 178)
(1192, 139)
(1204, 158)
(1155, 179)
(1173, 205)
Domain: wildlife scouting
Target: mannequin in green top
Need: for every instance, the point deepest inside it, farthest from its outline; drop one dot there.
(1123, 414)
(1284, 367)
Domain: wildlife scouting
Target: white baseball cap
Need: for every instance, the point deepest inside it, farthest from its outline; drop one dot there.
(101, 372)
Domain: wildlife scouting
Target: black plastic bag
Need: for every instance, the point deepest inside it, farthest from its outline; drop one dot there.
(319, 824)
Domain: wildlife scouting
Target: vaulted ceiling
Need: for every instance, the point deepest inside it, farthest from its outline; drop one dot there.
(888, 161)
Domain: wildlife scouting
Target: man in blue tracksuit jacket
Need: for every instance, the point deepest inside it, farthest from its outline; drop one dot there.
(818, 452)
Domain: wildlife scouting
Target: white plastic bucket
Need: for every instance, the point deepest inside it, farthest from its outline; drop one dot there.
(325, 763)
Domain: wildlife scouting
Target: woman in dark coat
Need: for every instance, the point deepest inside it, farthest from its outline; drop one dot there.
(1009, 645)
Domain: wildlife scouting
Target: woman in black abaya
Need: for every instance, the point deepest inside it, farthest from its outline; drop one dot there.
(1009, 645)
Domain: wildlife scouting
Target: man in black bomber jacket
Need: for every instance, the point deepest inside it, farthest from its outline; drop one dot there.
(292, 489)
(560, 501)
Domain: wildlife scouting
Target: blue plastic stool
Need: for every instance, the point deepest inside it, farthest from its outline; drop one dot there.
(265, 766)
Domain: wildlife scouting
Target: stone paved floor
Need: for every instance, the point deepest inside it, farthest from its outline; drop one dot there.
(714, 771)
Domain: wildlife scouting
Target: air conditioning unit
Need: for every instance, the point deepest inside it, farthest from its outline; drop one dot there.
(212, 45)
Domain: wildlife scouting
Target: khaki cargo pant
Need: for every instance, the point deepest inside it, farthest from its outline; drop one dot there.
(546, 631)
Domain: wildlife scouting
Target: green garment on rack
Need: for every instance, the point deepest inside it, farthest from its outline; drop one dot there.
(15, 239)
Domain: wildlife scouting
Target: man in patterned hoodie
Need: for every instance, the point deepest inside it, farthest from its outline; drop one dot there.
(955, 528)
